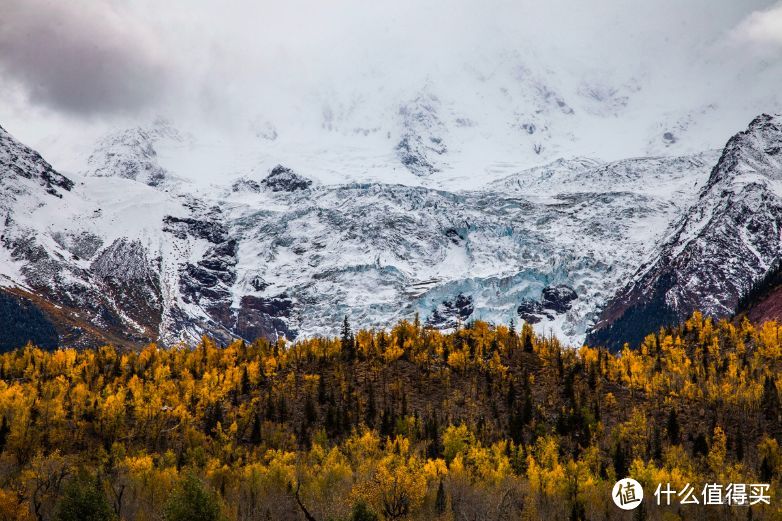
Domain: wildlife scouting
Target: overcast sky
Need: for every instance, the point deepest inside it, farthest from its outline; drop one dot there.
(67, 67)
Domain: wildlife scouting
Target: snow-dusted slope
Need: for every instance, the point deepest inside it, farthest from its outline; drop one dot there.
(94, 253)
(279, 253)
(725, 242)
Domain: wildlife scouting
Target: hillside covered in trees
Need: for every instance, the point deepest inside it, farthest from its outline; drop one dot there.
(484, 423)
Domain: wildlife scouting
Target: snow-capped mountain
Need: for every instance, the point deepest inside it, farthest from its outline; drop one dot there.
(111, 256)
(723, 244)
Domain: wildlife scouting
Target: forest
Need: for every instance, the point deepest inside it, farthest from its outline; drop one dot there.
(487, 422)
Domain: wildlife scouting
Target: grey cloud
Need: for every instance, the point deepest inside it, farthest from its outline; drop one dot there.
(80, 56)
(218, 62)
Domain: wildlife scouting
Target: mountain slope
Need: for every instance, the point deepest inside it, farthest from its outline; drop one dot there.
(277, 253)
(728, 240)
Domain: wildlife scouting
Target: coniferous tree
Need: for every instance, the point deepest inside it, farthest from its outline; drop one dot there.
(673, 428)
(769, 401)
(245, 382)
(371, 411)
(5, 430)
(526, 338)
(83, 499)
(255, 431)
(620, 461)
(440, 500)
(347, 341)
(191, 501)
(310, 411)
(700, 446)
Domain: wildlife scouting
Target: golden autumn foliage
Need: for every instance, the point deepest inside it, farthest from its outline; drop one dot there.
(408, 423)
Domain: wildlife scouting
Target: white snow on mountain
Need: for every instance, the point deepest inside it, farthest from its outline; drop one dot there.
(279, 253)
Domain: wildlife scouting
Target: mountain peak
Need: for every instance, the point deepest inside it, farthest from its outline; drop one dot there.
(756, 150)
(133, 153)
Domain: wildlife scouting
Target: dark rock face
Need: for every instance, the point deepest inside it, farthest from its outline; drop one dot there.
(558, 298)
(22, 322)
(725, 243)
(280, 179)
(554, 300)
(81, 246)
(180, 227)
(87, 293)
(208, 281)
(265, 317)
(532, 311)
(451, 313)
(283, 179)
(246, 185)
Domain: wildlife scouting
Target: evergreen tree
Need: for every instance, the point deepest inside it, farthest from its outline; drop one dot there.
(769, 401)
(371, 412)
(310, 411)
(347, 341)
(322, 398)
(255, 432)
(511, 397)
(674, 435)
(526, 338)
(700, 447)
(620, 461)
(245, 382)
(439, 503)
(83, 499)
(766, 471)
(5, 430)
(190, 501)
